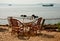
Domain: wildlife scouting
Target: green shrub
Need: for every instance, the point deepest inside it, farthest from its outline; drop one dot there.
(58, 26)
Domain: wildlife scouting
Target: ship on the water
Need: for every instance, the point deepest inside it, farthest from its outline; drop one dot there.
(48, 5)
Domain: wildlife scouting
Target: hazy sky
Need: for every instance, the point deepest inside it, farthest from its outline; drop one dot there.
(29, 1)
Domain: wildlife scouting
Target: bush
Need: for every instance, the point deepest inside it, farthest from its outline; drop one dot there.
(58, 26)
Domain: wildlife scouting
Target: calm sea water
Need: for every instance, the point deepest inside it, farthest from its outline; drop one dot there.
(39, 10)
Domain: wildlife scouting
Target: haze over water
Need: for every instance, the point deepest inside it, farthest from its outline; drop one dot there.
(37, 9)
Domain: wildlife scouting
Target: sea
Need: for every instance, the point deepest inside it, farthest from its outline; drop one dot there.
(17, 10)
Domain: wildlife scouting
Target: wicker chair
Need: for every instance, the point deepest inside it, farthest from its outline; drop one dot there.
(14, 24)
(18, 27)
(35, 27)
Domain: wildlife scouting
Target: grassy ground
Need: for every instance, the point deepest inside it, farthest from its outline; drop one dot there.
(5, 35)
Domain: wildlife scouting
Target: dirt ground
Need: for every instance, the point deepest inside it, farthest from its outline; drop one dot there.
(5, 35)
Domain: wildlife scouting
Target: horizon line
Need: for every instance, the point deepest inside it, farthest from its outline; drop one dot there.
(32, 3)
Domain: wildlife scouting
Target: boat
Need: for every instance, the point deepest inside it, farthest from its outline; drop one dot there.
(48, 5)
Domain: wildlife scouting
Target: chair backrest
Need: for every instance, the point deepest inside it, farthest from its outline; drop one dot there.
(39, 21)
(13, 22)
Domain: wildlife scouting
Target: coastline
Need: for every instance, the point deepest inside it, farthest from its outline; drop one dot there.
(47, 36)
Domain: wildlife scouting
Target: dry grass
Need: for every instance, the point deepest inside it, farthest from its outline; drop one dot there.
(5, 35)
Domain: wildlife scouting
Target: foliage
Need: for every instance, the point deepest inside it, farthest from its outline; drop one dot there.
(58, 26)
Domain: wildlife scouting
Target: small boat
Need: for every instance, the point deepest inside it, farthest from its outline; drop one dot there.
(9, 4)
(48, 5)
